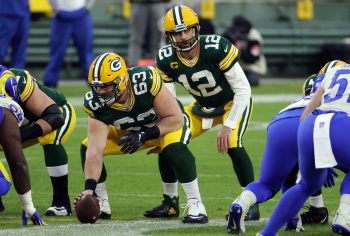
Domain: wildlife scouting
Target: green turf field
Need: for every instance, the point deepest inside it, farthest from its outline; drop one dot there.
(134, 183)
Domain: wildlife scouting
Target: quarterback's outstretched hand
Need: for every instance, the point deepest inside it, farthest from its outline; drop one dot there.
(131, 142)
(35, 218)
(331, 174)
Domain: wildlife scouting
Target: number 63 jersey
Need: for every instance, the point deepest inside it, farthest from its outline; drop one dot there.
(204, 78)
(144, 84)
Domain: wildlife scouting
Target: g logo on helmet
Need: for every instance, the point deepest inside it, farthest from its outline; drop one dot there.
(116, 65)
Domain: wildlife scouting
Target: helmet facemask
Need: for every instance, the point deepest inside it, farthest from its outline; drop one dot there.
(109, 93)
(185, 45)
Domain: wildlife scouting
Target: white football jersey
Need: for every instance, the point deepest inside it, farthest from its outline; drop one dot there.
(13, 107)
(336, 84)
(298, 103)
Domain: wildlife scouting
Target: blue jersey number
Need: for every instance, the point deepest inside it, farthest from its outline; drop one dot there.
(339, 82)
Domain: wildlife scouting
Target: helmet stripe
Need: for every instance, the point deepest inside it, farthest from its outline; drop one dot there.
(97, 67)
(178, 16)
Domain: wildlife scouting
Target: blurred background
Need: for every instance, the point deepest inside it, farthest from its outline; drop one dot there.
(299, 36)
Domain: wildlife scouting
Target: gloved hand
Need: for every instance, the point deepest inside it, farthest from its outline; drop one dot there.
(131, 142)
(35, 218)
(329, 182)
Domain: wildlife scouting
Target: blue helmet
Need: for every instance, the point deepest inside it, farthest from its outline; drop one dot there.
(9, 85)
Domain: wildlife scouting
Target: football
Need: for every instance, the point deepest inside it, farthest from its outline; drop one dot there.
(87, 209)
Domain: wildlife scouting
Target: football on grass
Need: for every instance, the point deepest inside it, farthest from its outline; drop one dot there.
(87, 209)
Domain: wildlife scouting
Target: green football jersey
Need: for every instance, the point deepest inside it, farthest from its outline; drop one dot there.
(144, 85)
(203, 78)
(26, 87)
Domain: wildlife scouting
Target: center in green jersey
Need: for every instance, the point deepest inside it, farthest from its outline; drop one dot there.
(144, 85)
(205, 78)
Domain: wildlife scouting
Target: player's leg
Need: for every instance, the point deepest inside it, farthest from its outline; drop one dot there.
(169, 206)
(341, 221)
(240, 159)
(312, 179)
(5, 184)
(56, 161)
(83, 41)
(339, 132)
(59, 38)
(317, 213)
(280, 156)
(138, 27)
(19, 43)
(7, 23)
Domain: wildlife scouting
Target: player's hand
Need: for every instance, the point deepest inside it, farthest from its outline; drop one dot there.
(331, 174)
(80, 195)
(154, 150)
(223, 139)
(35, 218)
(131, 142)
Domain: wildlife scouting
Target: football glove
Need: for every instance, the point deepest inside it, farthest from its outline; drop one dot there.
(130, 143)
(331, 174)
(35, 218)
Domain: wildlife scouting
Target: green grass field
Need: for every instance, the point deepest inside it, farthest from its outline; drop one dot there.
(134, 183)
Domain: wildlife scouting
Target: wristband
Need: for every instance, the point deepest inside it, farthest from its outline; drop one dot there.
(90, 184)
(152, 133)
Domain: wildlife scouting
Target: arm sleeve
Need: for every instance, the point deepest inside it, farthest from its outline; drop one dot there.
(240, 86)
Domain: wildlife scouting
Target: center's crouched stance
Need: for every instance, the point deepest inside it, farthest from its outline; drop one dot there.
(130, 110)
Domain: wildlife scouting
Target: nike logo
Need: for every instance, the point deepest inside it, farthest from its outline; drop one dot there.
(323, 220)
(225, 50)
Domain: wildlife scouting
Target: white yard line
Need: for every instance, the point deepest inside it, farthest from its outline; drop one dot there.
(116, 227)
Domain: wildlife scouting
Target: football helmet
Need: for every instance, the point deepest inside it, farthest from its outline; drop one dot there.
(108, 77)
(9, 85)
(308, 84)
(180, 18)
(329, 65)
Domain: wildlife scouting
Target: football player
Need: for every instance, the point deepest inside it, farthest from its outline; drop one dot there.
(49, 120)
(11, 117)
(129, 110)
(322, 143)
(279, 163)
(206, 66)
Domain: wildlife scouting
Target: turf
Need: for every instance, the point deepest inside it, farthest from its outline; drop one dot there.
(134, 182)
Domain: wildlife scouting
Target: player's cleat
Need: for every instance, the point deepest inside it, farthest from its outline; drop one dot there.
(253, 213)
(58, 211)
(105, 210)
(196, 212)
(295, 225)
(235, 220)
(2, 207)
(341, 223)
(168, 208)
(315, 215)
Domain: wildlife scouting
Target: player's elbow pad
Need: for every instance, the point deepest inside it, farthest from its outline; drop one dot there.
(53, 116)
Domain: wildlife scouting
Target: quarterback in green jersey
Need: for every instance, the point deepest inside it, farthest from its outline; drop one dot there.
(129, 110)
(206, 66)
(49, 120)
